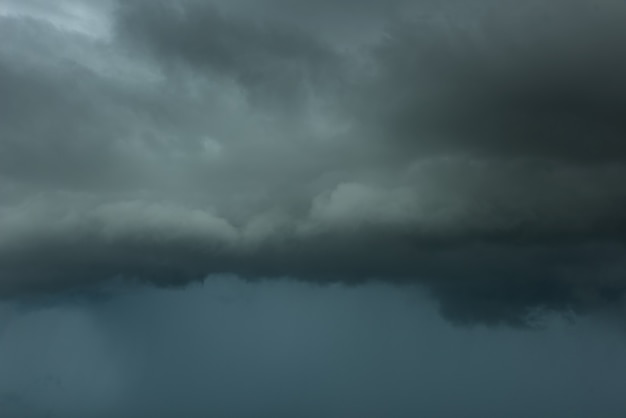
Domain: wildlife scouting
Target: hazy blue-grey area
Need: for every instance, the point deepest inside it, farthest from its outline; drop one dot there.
(442, 181)
(281, 348)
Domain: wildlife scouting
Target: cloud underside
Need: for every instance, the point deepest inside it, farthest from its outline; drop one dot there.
(478, 151)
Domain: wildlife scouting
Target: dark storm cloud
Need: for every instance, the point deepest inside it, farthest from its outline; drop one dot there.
(476, 150)
(533, 82)
(270, 60)
(48, 135)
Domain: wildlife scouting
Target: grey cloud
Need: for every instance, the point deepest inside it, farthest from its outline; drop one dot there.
(271, 60)
(51, 250)
(531, 81)
(199, 138)
(61, 123)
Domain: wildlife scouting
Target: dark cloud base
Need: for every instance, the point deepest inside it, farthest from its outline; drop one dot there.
(479, 283)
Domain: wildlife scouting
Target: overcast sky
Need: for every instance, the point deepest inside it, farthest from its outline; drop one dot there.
(338, 154)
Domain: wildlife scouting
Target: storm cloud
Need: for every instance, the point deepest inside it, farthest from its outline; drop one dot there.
(477, 150)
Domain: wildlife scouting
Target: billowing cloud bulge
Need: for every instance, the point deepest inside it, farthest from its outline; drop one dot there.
(477, 149)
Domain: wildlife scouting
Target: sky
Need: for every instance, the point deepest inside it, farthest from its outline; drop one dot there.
(336, 208)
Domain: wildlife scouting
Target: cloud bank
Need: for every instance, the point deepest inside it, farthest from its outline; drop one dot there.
(477, 150)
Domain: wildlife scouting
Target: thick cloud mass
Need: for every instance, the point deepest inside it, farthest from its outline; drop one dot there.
(475, 149)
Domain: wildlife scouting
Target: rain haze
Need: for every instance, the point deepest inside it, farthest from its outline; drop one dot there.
(296, 208)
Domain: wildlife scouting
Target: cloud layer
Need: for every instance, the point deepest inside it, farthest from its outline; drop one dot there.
(475, 149)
